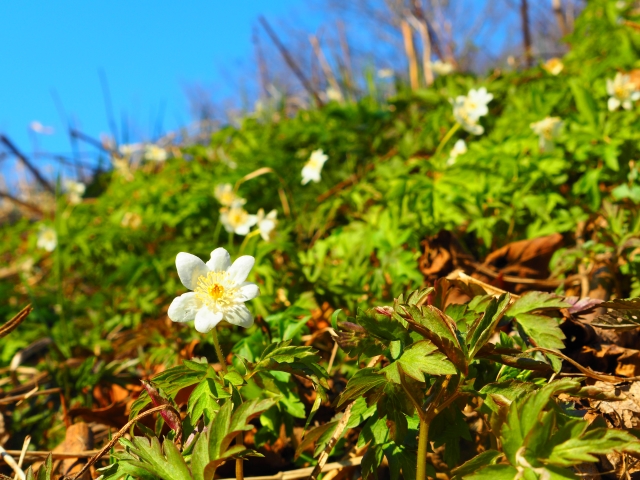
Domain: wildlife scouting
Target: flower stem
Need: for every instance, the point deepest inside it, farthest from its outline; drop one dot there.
(230, 246)
(216, 344)
(446, 138)
(239, 465)
(423, 440)
(216, 233)
(246, 240)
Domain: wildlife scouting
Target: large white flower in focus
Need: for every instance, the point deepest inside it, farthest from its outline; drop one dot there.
(622, 91)
(219, 290)
(311, 170)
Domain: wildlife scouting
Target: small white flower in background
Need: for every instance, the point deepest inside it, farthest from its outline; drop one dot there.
(553, 66)
(442, 68)
(219, 290)
(155, 153)
(622, 91)
(267, 224)
(334, 95)
(74, 190)
(547, 129)
(313, 167)
(130, 149)
(47, 239)
(40, 128)
(459, 148)
(225, 194)
(385, 73)
(468, 109)
(237, 220)
(131, 220)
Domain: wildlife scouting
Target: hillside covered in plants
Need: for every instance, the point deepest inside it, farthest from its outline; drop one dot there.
(426, 298)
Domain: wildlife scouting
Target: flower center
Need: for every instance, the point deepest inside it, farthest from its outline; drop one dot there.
(621, 91)
(214, 289)
(237, 217)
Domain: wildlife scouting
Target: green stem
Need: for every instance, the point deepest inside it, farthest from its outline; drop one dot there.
(446, 138)
(423, 440)
(216, 344)
(230, 244)
(246, 240)
(216, 233)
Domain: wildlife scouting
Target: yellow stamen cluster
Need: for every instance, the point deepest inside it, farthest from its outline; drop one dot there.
(212, 289)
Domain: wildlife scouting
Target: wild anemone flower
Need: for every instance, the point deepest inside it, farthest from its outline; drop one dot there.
(622, 91)
(442, 68)
(313, 167)
(459, 148)
(267, 224)
(225, 194)
(237, 220)
(74, 190)
(47, 238)
(468, 109)
(155, 153)
(547, 129)
(219, 290)
(553, 66)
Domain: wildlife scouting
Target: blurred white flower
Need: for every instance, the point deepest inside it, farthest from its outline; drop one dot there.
(459, 148)
(237, 220)
(385, 73)
(267, 224)
(131, 220)
(334, 95)
(219, 290)
(553, 66)
(225, 194)
(622, 91)
(130, 149)
(468, 109)
(47, 238)
(75, 191)
(547, 129)
(442, 68)
(313, 167)
(40, 128)
(155, 153)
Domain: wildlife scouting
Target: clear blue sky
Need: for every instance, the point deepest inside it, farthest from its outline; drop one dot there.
(149, 51)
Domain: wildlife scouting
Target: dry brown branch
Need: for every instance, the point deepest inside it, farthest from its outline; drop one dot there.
(15, 321)
(304, 472)
(17, 201)
(324, 456)
(24, 396)
(121, 433)
(36, 173)
(290, 61)
(12, 463)
(557, 11)
(326, 68)
(410, 51)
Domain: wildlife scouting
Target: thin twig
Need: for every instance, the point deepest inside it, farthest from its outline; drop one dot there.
(324, 456)
(410, 50)
(12, 463)
(24, 396)
(17, 201)
(36, 173)
(25, 445)
(121, 433)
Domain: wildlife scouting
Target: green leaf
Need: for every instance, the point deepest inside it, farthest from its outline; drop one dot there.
(482, 329)
(488, 457)
(203, 400)
(493, 472)
(584, 102)
(533, 301)
(420, 358)
(314, 434)
(544, 332)
(599, 441)
(362, 382)
(511, 390)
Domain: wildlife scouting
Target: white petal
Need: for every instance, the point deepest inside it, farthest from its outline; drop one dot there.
(183, 308)
(190, 268)
(249, 291)
(220, 260)
(206, 320)
(613, 104)
(239, 315)
(627, 105)
(240, 269)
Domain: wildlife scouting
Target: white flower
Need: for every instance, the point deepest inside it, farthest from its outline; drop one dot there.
(225, 194)
(622, 91)
(237, 220)
(553, 66)
(442, 68)
(155, 153)
(47, 239)
(385, 73)
(459, 148)
(468, 109)
(40, 128)
(334, 95)
(130, 150)
(267, 224)
(219, 290)
(547, 129)
(74, 190)
(311, 170)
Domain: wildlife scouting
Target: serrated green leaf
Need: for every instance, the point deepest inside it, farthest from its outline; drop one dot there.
(488, 457)
(312, 435)
(544, 332)
(600, 441)
(511, 390)
(482, 329)
(203, 400)
(533, 301)
(420, 358)
(362, 382)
